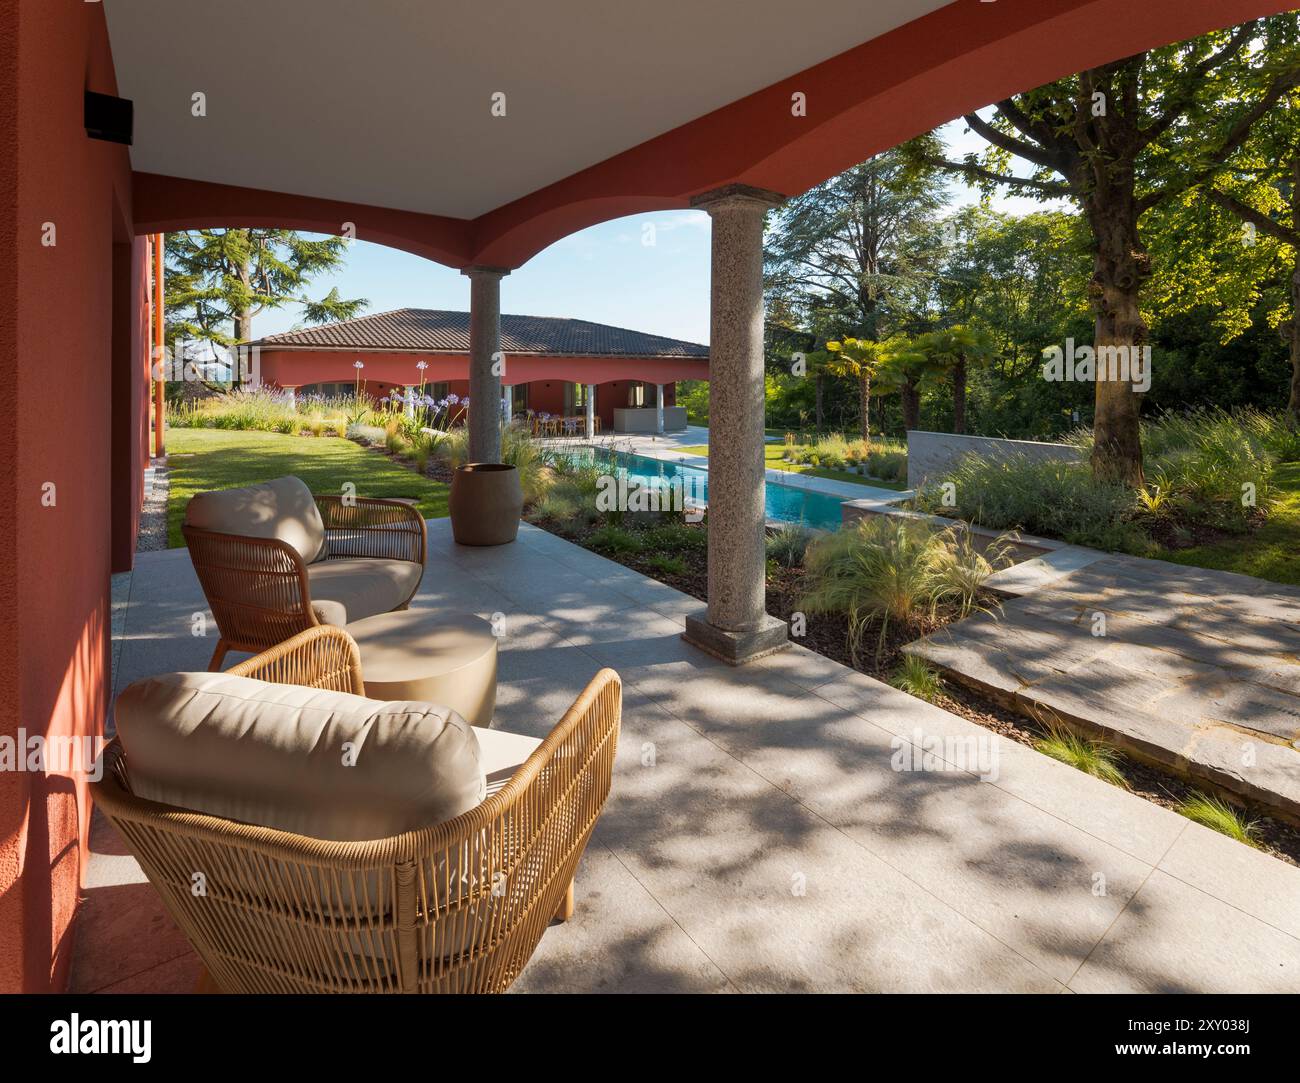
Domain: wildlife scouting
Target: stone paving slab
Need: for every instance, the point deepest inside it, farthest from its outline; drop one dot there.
(758, 836)
(1031, 575)
(1195, 669)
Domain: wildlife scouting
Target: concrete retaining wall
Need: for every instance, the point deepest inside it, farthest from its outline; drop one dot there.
(932, 454)
(645, 419)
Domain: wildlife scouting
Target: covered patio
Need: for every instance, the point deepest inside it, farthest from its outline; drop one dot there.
(757, 837)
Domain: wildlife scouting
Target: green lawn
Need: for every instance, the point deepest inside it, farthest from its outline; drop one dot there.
(1272, 552)
(773, 452)
(203, 459)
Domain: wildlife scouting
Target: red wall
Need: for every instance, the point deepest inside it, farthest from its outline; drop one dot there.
(544, 375)
(130, 397)
(56, 345)
(299, 367)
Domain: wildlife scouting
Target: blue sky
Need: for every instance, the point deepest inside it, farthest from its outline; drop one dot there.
(606, 273)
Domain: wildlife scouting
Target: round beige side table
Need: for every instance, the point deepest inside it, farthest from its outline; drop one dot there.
(431, 657)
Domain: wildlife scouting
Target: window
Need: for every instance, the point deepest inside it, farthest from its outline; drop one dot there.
(326, 391)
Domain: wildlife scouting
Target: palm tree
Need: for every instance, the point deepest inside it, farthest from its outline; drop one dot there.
(905, 364)
(957, 349)
(858, 358)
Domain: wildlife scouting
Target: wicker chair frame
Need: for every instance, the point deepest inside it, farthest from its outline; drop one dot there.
(258, 588)
(457, 907)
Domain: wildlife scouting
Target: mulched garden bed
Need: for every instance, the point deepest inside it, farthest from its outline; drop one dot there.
(1174, 534)
(828, 635)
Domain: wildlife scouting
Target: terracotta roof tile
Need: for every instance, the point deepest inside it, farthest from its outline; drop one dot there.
(436, 330)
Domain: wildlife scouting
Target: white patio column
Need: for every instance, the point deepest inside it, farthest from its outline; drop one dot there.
(738, 627)
(659, 408)
(484, 343)
(591, 411)
(290, 395)
(410, 400)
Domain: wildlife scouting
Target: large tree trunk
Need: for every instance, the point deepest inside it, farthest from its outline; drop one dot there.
(818, 390)
(864, 404)
(1120, 266)
(243, 325)
(959, 396)
(910, 395)
(1293, 404)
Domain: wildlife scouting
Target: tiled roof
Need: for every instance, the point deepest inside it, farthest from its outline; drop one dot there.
(438, 331)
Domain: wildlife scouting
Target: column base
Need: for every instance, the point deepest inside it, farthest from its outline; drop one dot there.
(737, 648)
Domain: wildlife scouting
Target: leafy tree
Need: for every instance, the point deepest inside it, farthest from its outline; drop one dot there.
(1264, 195)
(853, 257)
(1120, 140)
(218, 280)
(1021, 279)
(848, 246)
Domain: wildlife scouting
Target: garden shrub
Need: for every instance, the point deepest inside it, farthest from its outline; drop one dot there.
(262, 409)
(1057, 499)
(616, 539)
(788, 544)
(889, 570)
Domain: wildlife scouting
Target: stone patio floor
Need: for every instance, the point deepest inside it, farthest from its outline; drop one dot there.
(1198, 669)
(759, 839)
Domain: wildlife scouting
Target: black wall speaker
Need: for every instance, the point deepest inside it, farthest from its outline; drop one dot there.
(109, 118)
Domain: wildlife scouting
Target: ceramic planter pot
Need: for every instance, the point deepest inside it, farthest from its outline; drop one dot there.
(486, 502)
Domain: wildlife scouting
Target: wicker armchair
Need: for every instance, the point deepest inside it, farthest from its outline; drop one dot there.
(457, 907)
(259, 589)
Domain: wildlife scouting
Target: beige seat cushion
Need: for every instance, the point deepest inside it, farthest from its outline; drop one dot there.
(364, 586)
(328, 612)
(283, 509)
(501, 754)
(274, 755)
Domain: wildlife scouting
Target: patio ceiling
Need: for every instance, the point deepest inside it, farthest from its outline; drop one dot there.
(327, 112)
(387, 102)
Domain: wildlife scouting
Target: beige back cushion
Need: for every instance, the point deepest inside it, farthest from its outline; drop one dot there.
(282, 509)
(328, 765)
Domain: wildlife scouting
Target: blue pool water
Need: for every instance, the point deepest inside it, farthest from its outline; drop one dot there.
(785, 503)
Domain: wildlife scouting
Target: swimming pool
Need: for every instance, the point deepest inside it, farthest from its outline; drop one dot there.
(785, 503)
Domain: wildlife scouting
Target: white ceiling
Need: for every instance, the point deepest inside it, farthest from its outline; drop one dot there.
(386, 102)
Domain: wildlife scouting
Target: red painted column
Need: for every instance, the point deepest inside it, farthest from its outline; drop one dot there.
(158, 352)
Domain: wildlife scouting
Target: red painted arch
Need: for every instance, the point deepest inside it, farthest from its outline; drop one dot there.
(863, 101)
(172, 204)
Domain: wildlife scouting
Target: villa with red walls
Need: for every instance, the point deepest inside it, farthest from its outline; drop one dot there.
(546, 362)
